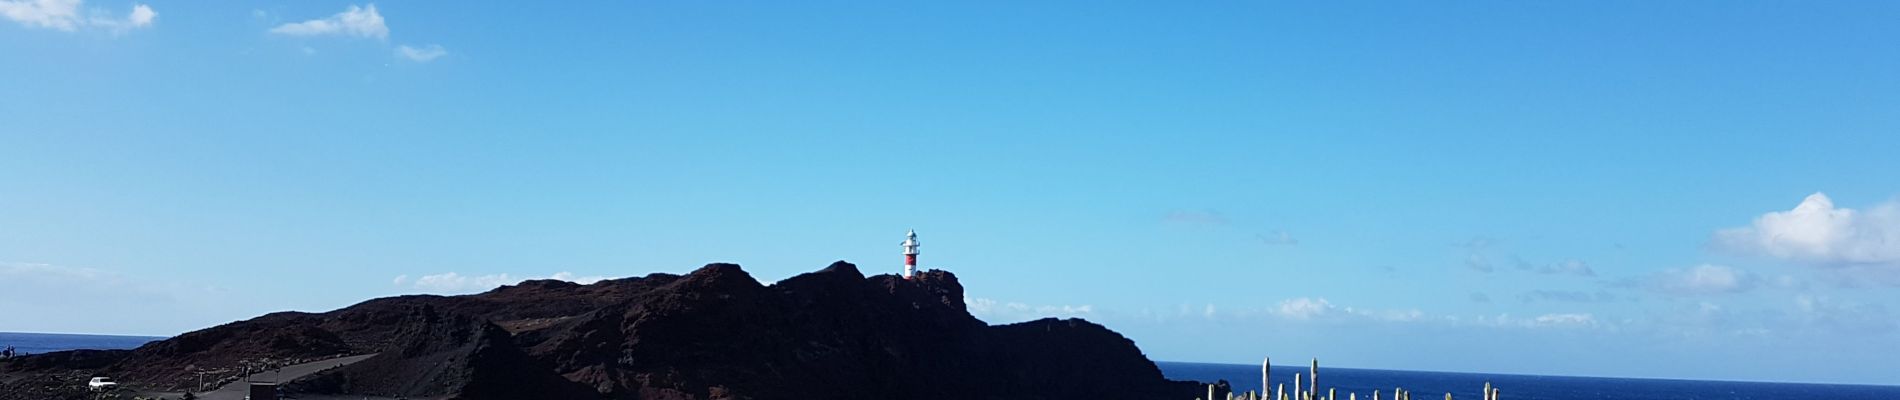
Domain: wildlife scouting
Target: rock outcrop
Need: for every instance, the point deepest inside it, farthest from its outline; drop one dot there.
(716, 333)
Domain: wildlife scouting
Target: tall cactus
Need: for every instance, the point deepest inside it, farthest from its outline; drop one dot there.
(1266, 365)
(1282, 392)
(1297, 392)
(1312, 375)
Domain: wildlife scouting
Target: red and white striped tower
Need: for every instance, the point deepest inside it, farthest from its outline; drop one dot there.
(910, 254)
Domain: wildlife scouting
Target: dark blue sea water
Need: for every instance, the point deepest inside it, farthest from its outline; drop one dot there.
(35, 343)
(1434, 385)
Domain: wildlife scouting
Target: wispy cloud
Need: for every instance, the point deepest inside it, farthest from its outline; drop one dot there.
(362, 22)
(1552, 320)
(1308, 309)
(1279, 238)
(1566, 267)
(1305, 308)
(1475, 257)
(142, 16)
(1703, 279)
(995, 311)
(65, 15)
(1576, 319)
(1478, 262)
(1569, 296)
(421, 54)
(456, 283)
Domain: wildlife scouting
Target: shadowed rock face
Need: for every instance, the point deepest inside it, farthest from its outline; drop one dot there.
(715, 333)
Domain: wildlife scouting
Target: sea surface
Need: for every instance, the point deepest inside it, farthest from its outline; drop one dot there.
(35, 343)
(1434, 385)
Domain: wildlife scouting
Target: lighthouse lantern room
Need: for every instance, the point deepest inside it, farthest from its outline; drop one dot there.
(910, 254)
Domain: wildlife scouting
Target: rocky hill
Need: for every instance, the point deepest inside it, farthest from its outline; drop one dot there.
(715, 333)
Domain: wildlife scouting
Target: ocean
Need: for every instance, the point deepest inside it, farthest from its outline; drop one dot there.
(35, 343)
(1434, 385)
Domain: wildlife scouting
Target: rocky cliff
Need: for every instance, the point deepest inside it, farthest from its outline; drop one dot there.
(715, 333)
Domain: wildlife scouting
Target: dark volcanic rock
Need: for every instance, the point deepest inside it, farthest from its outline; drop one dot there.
(716, 333)
(439, 355)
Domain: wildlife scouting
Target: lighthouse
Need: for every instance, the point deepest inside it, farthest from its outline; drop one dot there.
(910, 254)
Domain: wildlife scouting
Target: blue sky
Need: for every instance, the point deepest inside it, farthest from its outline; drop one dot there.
(1675, 189)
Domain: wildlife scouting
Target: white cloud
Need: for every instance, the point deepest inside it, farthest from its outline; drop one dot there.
(421, 54)
(569, 276)
(1553, 320)
(1816, 232)
(1566, 320)
(1304, 308)
(994, 311)
(1307, 308)
(65, 15)
(1572, 296)
(56, 14)
(363, 22)
(141, 17)
(1704, 279)
(455, 283)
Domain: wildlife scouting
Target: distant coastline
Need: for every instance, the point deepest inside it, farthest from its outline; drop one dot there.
(37, 343)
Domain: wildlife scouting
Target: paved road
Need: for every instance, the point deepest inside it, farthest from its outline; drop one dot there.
(237, 390)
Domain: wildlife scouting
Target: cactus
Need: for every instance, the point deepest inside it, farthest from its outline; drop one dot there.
(1330, 393)
(1447, 395)
(1210, 392)
(1266, 364)
(1312, 375)
(1297, 392)
(1282, 392)
(1375, 394)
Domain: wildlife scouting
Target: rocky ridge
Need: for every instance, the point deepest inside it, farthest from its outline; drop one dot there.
(715, 333)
